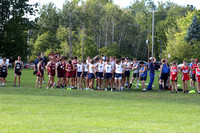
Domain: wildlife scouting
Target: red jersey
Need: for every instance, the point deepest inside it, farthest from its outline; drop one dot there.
(52, 69)
(174, 71)
(194, 66)
(40, 74)
(185, 76)
(60, 69)
(70, 73)
(198, 74)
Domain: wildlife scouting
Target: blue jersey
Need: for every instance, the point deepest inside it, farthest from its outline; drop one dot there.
(144, 74)
(165, 68)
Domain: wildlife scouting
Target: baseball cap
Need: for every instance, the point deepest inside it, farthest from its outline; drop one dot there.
(196, 60)
(127, 57)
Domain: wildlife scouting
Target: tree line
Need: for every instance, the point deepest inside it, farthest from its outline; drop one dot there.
(105, 28)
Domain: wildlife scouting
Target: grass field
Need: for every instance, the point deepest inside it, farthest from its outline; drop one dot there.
(27, 109)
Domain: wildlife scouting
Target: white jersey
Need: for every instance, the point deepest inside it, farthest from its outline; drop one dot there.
(113, 64)
(118, 69)
(79, 67)
(127, 65)
(90, 68)
(85, 67)
(100, 67)
(108, 68)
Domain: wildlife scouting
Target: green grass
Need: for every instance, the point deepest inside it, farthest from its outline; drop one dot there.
(27, 109)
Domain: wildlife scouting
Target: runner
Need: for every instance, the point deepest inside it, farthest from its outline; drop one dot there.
(39, 73)
(91, 75)
(185, 76)
(192, 62)
(143, 75)
(164, 72)
(193, 68)
(74, 78)
(70, 73)
(64, 62)
(4, 71)
(100, 77)
(136, 69)
(108, 73)
(127, 72)
(18, 67)
(60, 73)
(51, 66)
(174, 76)
(118, 75)
(198, 78)
(123, 75)
(85, 76)
(80, 72)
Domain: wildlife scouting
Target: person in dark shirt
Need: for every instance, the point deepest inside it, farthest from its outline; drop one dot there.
(151, 72)
(44, 64)
(36, 62)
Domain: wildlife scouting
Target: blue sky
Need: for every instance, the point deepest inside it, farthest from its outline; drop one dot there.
(124, 3)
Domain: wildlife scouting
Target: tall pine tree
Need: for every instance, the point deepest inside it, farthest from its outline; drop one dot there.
(193, 33)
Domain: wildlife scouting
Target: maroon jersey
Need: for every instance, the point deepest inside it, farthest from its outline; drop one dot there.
(64, 66)
(70, 73)
(75, 66)
(52, 69)
(40, 74)
(60, 70)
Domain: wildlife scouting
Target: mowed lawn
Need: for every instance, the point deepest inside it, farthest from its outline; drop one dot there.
(27, 109)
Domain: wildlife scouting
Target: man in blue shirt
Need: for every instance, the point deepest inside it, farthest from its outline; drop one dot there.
(151, 72)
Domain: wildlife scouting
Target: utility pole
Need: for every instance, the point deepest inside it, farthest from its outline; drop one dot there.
(70, 38)
(152, 33)
(148, 44)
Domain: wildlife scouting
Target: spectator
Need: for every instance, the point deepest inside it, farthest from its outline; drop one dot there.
(44, 59)
(151, 72)
(36, 62)
(11, 61)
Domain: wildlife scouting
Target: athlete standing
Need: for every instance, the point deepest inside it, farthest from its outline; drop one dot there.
(185, 75)
(39, 73)
(4, 71)
(18, 67)
(51, 66)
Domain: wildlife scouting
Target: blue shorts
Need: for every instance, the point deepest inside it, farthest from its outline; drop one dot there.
(100, 75)
(108, 76)
(127, 73)
(143, 78)
(85, 74)
(118, 76)
(79, 74)
(91, 76)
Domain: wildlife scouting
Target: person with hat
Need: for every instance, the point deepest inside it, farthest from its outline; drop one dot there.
(152, 62)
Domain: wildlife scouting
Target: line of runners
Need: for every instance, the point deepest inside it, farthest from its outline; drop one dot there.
(109, 74)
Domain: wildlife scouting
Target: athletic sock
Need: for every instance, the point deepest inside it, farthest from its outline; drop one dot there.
(137, 82)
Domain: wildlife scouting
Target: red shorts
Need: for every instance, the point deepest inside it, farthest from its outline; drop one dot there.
(39, 75)
(52, 73)
(198, 79)
(174, 78)
(185, 77)
(70, 74)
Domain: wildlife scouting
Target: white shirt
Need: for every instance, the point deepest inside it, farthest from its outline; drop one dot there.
(108, 68)
(118, 69)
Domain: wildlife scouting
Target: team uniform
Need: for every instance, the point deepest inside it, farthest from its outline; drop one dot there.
(118, 71)
(79, 70)
(91, 72)
(194, 66)
(143, 76)
(70, 73)
(75, 68)
(100, 71)
(136, 71)
(174, 73)
(4, 71)
(108, 74)
(85, 70)
(51, 70)
(18, 67)
(198, 75)
(60, 70)
(41, 69)
(127, 72)
(185, 76)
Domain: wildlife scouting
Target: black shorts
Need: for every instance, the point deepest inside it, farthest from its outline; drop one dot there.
(3, 75)
(108, 76)
(91, 76)
(85, 74)
(193, 77)
(127, 73)
(100, 75)
(164, 76)
(79, 74)
(136, 75)
(143, 78)
(18, 73)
